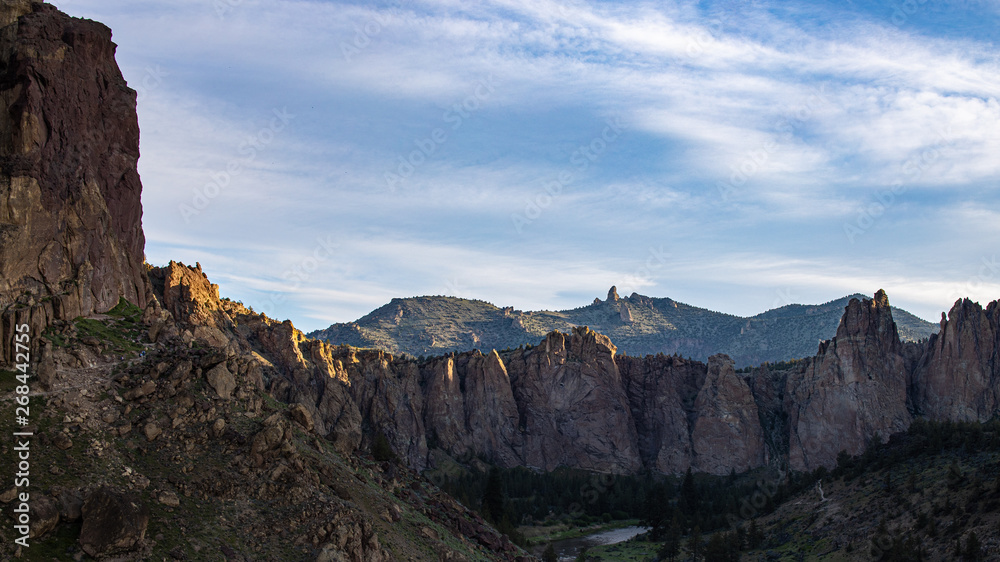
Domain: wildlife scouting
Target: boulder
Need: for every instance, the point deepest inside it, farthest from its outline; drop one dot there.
(301, 416)
(44, 514)
(112, 522)
(70, 505)
(152, 431)
(221, 380)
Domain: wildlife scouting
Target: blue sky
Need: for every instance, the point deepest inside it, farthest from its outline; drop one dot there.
(320, 158)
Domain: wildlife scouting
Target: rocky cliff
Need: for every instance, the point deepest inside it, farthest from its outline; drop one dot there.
(156, 434)
(958, 376)
(71, 245)
(854, 390)
(71, 240)
(572, 401)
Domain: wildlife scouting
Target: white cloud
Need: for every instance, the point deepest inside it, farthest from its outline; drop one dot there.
(847, 108)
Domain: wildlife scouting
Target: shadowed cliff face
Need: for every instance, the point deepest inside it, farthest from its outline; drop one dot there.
(71, 244)
(71, 240)
(853, 390)
(958, 376)
(571, 401)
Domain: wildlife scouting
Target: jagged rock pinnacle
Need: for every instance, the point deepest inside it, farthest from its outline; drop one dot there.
(613, 294)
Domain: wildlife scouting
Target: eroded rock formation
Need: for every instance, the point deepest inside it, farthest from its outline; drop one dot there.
(958, 376)
(854, 390)
(71, 240)
(571, 401)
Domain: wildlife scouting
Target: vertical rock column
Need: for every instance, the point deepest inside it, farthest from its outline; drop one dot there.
(71, 240)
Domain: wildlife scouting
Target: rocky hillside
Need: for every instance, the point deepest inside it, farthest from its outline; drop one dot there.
(160, 440)
(922, 496)
(147, 401)
(638, 325)
(931, 493)
(167, 422)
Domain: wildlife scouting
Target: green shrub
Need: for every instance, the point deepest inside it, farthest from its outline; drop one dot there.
(381, 449)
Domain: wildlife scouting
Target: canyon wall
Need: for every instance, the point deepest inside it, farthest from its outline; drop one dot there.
(71, 240)
(572, 401)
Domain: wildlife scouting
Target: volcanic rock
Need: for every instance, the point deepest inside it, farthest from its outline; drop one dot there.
(221, 380)
(958, 377)
(854, 390)
(71, 240)
(112, 522)
(44, 514)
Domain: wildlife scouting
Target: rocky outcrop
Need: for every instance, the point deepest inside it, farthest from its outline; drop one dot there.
(661, 391)
(726, 434)
(71, 240)
(112, 522)
(571, 401)
(958, 377)
(638, 325)
(692, 415)
(491, 413)
(572, 405)
(854, 390)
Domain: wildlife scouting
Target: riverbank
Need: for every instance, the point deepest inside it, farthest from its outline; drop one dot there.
(544, 534)
(569, 549)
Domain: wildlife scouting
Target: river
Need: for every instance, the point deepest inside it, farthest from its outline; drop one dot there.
(568, 549)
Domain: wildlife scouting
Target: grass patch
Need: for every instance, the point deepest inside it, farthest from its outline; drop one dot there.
(125, 309)
(59, 544)
(56, 339)
(8, 380)
(122, 333)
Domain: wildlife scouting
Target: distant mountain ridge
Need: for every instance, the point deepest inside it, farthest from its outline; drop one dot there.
(639, 325)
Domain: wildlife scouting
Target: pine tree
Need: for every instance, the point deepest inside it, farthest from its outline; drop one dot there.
(672, 543)
(973, 550)
(549, 555)
(381, 450)
(656, 511)
(694, 543)
(716, 550)
(493, 497)
(689, 495)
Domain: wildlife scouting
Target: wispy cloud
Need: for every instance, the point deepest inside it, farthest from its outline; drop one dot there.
(750, 129)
